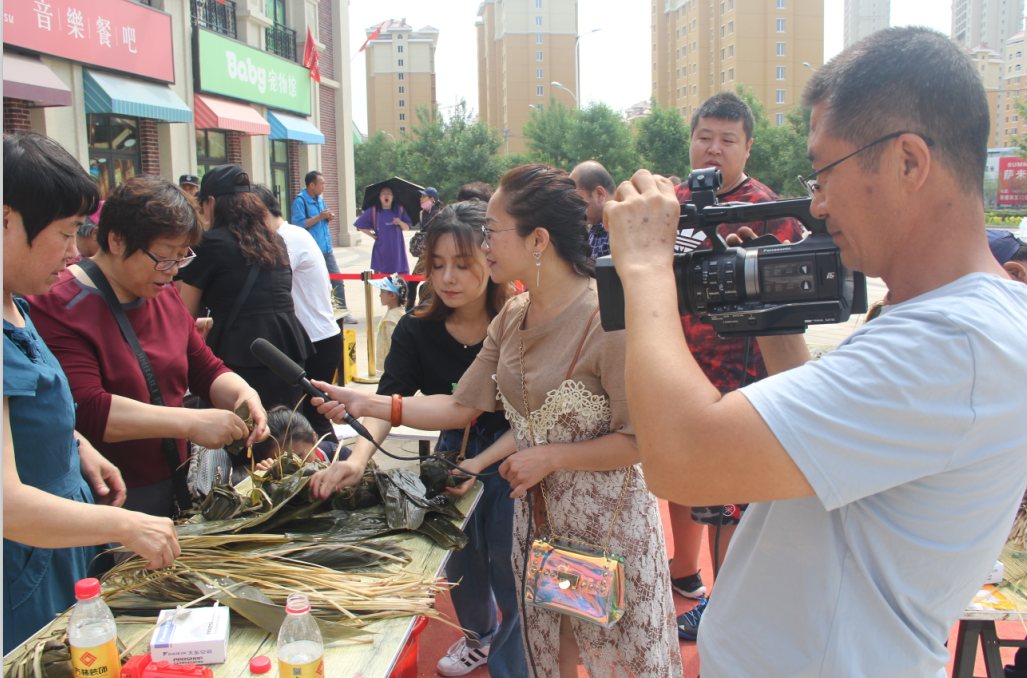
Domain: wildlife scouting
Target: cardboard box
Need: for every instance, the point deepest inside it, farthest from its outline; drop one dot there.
(194, 635)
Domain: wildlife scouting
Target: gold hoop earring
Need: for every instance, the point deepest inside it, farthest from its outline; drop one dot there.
(538, 267)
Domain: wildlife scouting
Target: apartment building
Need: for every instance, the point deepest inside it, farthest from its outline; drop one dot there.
(1011, 87)
(863, 17)
(523, 47)
(980, 22)
(400, 76)
(701, 47)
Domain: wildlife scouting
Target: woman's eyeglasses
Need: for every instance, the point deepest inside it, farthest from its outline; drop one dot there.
(487, 232)
(810, 182)
(168, 264)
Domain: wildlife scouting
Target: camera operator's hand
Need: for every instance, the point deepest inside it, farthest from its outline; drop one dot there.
(642, 220)
(743, 235)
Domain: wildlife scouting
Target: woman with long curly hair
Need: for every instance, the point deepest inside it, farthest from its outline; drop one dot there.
(242, 274)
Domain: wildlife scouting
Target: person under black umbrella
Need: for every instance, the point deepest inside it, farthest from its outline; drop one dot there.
(386, 223)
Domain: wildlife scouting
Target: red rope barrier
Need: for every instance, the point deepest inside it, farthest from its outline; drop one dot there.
(375, 276)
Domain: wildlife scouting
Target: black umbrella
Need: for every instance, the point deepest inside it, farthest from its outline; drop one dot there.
(404, 193)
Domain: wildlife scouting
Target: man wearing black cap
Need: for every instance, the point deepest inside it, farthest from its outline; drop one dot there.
(1010, 251)
(190, 183)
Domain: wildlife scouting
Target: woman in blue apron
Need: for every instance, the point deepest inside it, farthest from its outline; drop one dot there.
(51, 525)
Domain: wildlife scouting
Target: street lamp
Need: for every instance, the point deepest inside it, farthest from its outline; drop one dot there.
(577, 76)
(806, 64)
(556, 84)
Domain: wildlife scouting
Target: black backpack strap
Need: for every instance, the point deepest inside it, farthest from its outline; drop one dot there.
(178, 471)
(239, 301)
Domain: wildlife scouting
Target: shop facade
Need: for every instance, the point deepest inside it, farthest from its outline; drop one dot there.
(172, 87)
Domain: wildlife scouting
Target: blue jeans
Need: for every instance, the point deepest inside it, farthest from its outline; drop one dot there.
(485, 571)
(337, 287)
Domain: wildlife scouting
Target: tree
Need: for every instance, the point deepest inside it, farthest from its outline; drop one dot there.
(377, 159)
(547, 134)
(778, 154)
(662, 140)
(1019, 142)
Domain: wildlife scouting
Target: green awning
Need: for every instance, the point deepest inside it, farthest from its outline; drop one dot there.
(106, 93)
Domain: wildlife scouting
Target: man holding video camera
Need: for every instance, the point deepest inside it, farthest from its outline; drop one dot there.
(887, 473)
(722, 136)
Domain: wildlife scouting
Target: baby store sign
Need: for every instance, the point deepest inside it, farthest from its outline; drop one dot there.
(236, 70)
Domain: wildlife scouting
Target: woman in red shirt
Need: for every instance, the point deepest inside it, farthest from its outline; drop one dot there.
(146, 231)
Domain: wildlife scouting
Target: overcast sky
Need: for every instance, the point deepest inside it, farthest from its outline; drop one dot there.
(613, 60)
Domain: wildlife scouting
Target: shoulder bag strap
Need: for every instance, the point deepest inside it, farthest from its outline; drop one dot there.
(178, 471)
(239, 301)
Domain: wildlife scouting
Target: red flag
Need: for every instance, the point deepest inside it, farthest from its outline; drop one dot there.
(311, 57)
(374, 35)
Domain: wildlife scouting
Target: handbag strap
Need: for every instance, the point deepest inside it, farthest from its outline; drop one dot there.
(170, 446)
(239, 301)
(531, 431)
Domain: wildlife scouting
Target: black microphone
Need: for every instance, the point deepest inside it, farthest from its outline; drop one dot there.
(288, 370)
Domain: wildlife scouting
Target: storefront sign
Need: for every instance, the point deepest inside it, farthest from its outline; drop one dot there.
(1012, 181)
(117, 34)
(236, 70)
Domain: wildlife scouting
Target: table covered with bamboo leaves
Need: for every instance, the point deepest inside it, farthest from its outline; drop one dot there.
(366, 606)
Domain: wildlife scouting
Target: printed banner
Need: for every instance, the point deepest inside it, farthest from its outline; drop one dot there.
(116, 34)
(236, 70)
(1012, 181)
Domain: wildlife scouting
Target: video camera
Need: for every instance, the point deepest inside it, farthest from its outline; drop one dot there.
(762, 288)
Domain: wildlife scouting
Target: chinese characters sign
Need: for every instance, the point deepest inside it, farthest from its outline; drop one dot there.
(115, 34)
(1012, 181)
(236, 70)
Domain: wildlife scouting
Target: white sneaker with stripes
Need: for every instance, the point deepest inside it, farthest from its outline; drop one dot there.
(461, 660)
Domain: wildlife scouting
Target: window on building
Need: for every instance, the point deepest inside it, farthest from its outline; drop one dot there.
(722, 77)
(654, 47)
(401, 75)
(723, 8)
(280, 174)
(402, 116)
(730, 5)
(402, 130)
(677, 54)
(402, 89)
(538, 38)
(1017, 69)
(538, 4)
(1018, 55)
(730, 51)
(780, 119)
(780, 49)
(722, 53)
(540, 90)
(730, 27)
(780, 96)
(780, 4)
(399, 48)
(1016, 118)
(538, 56)
(780, 72)
(730, 75)
(538, 73)
(538, 21)
(402, 103)
(211, 150)
(722, 31)
(400, 62)
(780, 25)
(677, 93)
(113, 150)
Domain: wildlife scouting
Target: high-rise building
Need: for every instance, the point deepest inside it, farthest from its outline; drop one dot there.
(523, 47)
(701, 47)
(979, 22)
(400, 76)
(863, 17)
(1012, 86)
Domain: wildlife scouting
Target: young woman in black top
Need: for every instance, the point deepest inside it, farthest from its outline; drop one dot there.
(431, 349)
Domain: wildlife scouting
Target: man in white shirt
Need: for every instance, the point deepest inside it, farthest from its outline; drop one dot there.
(886, 475)
(311, 295)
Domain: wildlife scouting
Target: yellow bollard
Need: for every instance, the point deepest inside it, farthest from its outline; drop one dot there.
(372, 373)
(349, 355)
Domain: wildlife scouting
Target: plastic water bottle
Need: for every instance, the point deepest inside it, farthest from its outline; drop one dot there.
(92, 634)
(300, 649)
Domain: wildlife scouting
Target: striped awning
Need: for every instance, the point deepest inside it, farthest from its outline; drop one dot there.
(106, 93)
(217, 113)
(285, 126)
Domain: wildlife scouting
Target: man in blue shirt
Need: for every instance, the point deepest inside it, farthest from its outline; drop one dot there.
(885, 476)
(309, 211)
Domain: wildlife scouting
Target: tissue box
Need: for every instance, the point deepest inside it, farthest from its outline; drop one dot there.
(998, 573)
(194, 635)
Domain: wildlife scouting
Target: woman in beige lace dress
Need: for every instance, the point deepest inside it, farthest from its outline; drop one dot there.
(573, 379)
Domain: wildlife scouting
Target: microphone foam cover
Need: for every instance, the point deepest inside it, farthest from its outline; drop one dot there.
(278, 362)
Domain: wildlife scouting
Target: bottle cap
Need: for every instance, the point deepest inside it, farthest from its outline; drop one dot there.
(87, 588)
(260, 664)
(297, 603)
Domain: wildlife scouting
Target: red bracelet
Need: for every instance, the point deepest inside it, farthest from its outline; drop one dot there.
(397, 410)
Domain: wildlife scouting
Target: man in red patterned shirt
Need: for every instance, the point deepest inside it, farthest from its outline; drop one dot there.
(722, 129)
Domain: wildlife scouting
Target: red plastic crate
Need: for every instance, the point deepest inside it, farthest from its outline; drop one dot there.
(406, 666)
